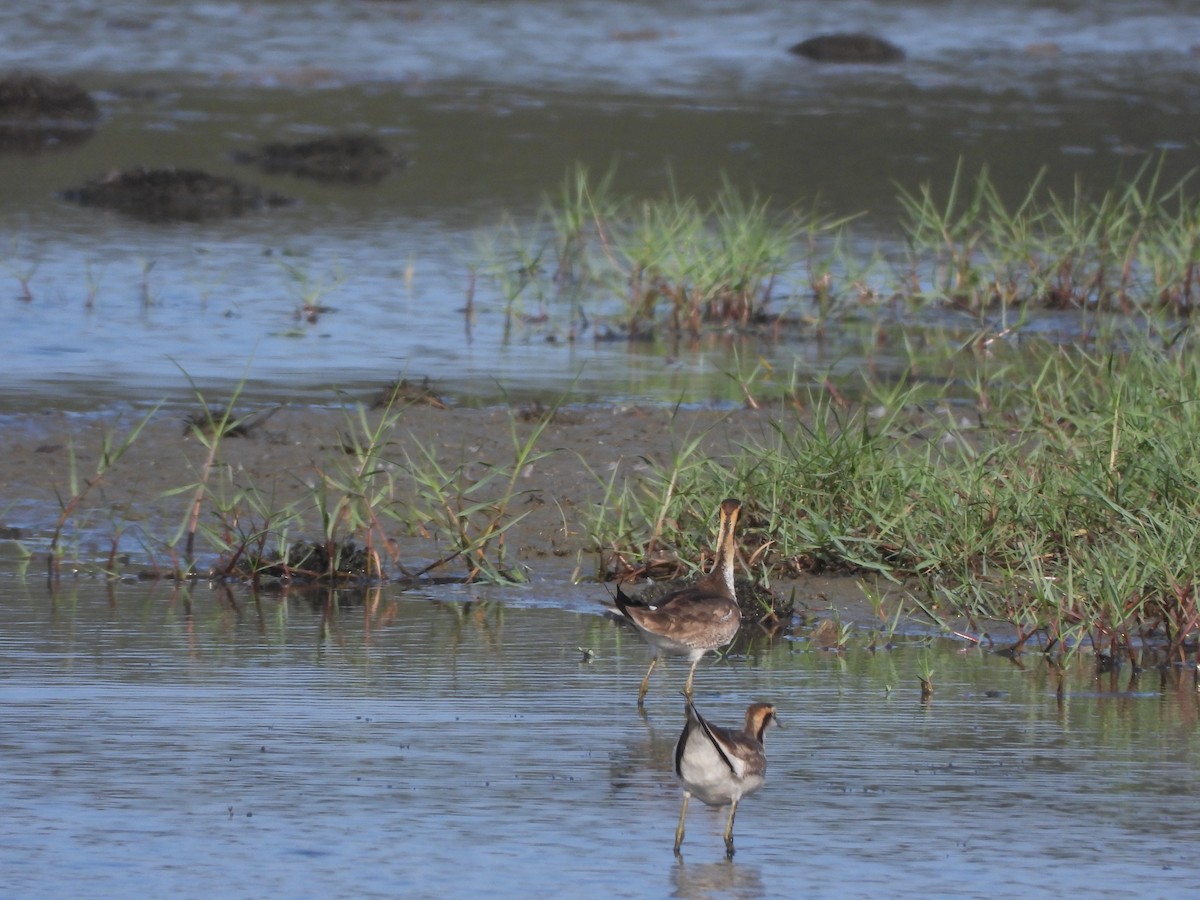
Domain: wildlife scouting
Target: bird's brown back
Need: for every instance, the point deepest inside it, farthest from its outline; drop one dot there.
(691, 615)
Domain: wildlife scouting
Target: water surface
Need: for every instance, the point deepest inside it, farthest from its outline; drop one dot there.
(494, 103)
(156, 742)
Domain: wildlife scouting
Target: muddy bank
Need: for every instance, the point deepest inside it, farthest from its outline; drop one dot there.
(284, 451)
(143, 500)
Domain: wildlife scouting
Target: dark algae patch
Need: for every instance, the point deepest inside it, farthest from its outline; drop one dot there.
(25, 97)
(39, 114)
(347, 158)
(848, 48)
(170, 194)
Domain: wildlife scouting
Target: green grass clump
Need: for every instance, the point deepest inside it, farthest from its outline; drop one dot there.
(672, 266)
(343, 519)
(641, 270)
(1133, 247)
(1069, 507)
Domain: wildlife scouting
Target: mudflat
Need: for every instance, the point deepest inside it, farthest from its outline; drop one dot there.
(582, 453)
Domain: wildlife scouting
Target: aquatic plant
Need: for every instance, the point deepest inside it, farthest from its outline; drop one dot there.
(632, 270)
(309, 291)
(925, 675)
(469, 505)
(22, 270)
(1131, 247)
(78, 489)
(999, 476)
(674, 266)
(210, 427)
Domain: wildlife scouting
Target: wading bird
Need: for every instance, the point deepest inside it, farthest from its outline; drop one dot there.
(721, 765)
(696, 619)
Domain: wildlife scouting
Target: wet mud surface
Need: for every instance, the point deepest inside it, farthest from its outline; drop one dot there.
(286, 448)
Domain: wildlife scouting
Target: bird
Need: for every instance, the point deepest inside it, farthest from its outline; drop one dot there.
(721, 765)
(696, 619)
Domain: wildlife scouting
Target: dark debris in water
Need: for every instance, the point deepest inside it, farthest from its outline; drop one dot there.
(848, 48)
(341, 567)
(348, 158)
(170, 194)
(624, 332)
(344, 561)
(308, 561)
(39, 114)
(28, 97)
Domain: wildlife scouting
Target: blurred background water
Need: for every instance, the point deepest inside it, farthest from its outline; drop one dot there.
(494, 103)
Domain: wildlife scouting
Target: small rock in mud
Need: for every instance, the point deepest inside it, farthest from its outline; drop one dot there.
(349, 158)
(848, 48)
(408, 393)
(207, 423)
(170, 194)
(38, 114)
(537, 411)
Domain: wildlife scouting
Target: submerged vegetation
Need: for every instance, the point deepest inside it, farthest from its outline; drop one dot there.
(1003, 477)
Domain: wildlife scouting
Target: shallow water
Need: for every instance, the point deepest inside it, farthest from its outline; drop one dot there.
(494, 103)
(154, 742)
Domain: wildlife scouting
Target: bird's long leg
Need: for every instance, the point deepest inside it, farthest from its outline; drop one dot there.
(687, 688)
(679, 828)
(729, 830)
(646, 681)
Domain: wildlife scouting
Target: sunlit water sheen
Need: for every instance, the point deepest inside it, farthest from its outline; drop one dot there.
(159, 744)
(494, 103)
